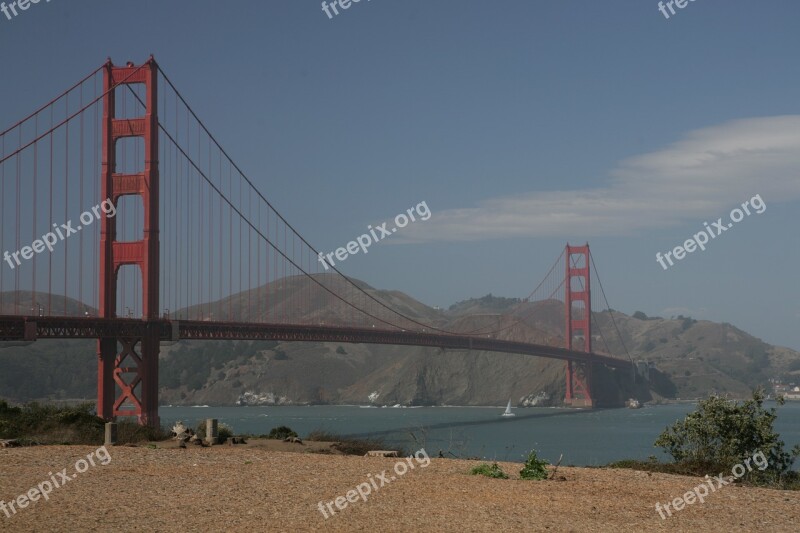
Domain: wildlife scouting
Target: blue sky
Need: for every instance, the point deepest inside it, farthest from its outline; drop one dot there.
(522, 125)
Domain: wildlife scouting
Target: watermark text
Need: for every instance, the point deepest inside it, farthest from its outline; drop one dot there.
(366, 240)
(700, 492)
(50, 239)
(11, 8)
(56, 481)
(699, 240)
(365, 489)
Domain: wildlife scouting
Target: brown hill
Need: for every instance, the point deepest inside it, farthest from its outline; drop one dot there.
(692, 358)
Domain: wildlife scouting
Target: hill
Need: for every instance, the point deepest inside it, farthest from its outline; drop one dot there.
(692, 358)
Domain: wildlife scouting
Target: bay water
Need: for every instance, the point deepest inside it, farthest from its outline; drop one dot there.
(585, 437)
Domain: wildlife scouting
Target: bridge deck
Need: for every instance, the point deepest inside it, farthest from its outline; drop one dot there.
(30, 328)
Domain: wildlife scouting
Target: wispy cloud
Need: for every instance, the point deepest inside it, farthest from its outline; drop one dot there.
(701, 176)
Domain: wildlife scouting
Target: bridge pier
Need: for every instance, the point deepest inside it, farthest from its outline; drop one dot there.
(578, 387)
(133, 371)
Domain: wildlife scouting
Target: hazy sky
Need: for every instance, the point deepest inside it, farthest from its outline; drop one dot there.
(522, 124)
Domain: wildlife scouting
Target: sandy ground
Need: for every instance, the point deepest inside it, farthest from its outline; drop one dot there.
(249, 488)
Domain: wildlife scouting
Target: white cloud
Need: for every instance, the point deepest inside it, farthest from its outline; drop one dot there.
(700, 177)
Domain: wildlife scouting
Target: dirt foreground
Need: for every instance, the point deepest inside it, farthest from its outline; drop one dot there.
(250, 489)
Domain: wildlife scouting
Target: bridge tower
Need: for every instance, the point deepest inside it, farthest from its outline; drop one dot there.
(127, 370)
(578, 330)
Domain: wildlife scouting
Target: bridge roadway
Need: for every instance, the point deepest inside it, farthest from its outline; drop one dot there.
(31, 328)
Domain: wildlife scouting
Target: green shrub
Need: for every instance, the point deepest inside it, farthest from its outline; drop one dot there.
(634, 464)
(722, 433)
(653, 465)
(130, 432)
(281, 433)
(352, 445)
(50, 424)
(485, 469)
(320, 435)
(534, 468)
(223, 431)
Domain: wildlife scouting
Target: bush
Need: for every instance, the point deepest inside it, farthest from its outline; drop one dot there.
(652, 464)
(485, 469)
(534, 468)
(351, 445)
(281, 433)
(130, 432)
(76, 424)
(722, 433)
(50, 424)
(320, 435)
(223, 431)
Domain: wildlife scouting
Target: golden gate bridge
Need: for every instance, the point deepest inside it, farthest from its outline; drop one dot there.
(195, 251)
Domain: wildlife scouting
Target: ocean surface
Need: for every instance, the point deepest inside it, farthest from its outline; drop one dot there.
(585, 437)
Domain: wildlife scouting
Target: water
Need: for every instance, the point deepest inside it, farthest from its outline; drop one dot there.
(585, 437)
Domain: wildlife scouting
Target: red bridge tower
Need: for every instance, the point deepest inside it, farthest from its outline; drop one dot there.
(578, 329)
(130, 364)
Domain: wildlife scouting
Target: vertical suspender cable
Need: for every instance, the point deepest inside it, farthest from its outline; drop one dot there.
(35, 210)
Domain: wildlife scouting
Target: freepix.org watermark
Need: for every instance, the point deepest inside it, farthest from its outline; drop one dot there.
(50, 239)
(700, 492)
(366, 240)
(12, 7)
(343, 5)
(365, 489)
(678, 3)
(43, 489)
(699, 240)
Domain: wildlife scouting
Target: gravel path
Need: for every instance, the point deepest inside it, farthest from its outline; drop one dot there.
(243, 489)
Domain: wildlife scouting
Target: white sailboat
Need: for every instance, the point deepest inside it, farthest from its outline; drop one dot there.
(508, 410)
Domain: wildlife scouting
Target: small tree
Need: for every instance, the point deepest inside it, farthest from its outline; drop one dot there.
(534, 468)
(722, 433)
